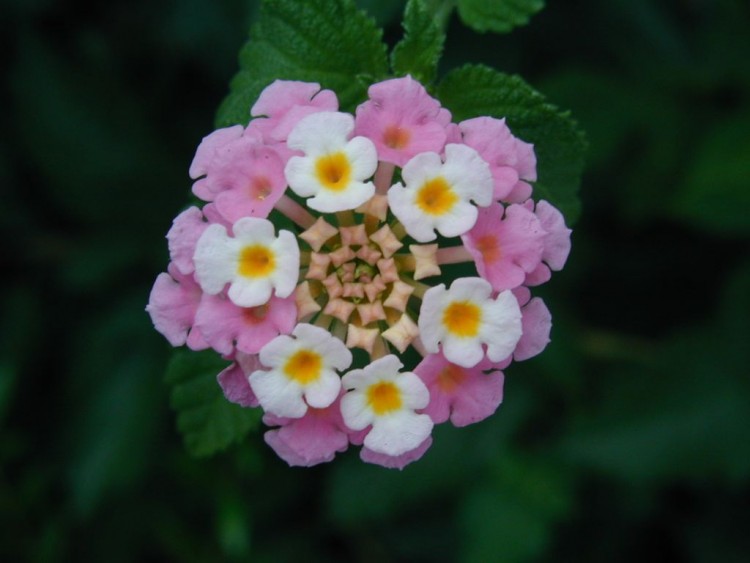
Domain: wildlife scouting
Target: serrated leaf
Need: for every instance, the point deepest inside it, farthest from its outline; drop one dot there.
(475, 90)
(326, 41)
(419, 51)
(499, 16)
(208, 422)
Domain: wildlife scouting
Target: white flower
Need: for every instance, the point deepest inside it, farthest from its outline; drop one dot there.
(302, 371)
(464, 317)
(382, 397)
(253, 262)
(334, 169)
(436, 195)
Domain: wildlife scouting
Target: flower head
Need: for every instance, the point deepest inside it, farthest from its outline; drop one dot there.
(319, 316)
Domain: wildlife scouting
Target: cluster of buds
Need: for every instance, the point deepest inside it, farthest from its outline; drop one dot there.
(310, 266)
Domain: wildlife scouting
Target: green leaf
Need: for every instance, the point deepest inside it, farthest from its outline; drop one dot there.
(325, 41)
(419, 51)
(716, 195)
(209, 423)
(475, 90)
(499, 16)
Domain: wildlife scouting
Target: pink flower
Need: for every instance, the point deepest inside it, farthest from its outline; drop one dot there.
(505, 248)
(225, 326)
(172, 306)
(205, 153)
(403, 120)
(511, 160)
(314, 438)
(536, 321)
(466, 395)
(284, 103)
(186, 229)
(233, 380)
(398, 461)
(556, 242)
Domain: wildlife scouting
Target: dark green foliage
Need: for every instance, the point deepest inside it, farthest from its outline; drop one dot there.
(500, 16)
(625, 441)
(419, 51)
(325, 41)
(559, 144)
(208, 422)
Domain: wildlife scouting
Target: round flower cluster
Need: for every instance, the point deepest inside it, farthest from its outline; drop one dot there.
(367, 209)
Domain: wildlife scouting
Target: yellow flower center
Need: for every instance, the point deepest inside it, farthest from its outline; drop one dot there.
(462, 319)
(304, 366)
(334, 171)
(436, 197)
(256, 261)
(384, 397)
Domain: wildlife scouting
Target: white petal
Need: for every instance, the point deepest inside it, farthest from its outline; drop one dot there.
(250, 292)
(413, 391)
(286, 254)
(421, 168)
(277, 351)
(355, 411)
(459, 220)
(321, 132)
(300, 175)
(501, 327)
(323, 392)
(355, 194)
(470, 289)
(399, 433)
(430, 317)
(417, 224)
(464, 352)
(215, 259)
(254, 229)
(363, 157)
(468, 173)
(278, 394)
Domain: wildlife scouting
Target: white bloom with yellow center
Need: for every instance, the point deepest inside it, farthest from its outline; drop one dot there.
(254, 261)
(436, 195)
(465, 317)
(380, 396)
(334, 168)
(302, 371)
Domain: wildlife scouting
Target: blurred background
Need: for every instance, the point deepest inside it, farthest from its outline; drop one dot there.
(625, 441)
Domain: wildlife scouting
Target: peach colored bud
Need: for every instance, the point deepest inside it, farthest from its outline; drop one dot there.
(402, 333)
(341, 255)
(386, 240)
(355, 290)
(318, 234)
(318, 266)
(426, 261)
(388, 271)
(333, 286)
(353, 235)
(370, 312)
(359, 337)
(340, 309)
(376, 206)
(399, 296)
(306, 305)
(369, 255)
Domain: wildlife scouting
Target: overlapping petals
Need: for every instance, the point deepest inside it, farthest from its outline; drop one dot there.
(372, 213)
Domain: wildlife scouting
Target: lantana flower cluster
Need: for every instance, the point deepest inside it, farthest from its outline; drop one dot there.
(322, 257)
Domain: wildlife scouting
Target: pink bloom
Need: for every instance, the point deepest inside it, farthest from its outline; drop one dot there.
(312, 439)
(284, 103)
(403, 120)
(172, 305)
(466, 395)
(205, 153)
(556, 242)
(398, 461)
(234, 383)
(246, 179)
(511, 160)
(505, 248)
(224, 325)
(186, 229)
(536, 321)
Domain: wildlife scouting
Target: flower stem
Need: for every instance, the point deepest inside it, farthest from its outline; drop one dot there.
(453, 255)
(295, 212)
(383, 176)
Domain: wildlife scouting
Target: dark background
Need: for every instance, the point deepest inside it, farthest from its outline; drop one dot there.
(625, 441)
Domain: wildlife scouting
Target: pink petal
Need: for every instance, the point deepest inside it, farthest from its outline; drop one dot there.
(186, 229)
(236, 387)
(536, 321)
(208, 146)
(557, 240)
(395, 462)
